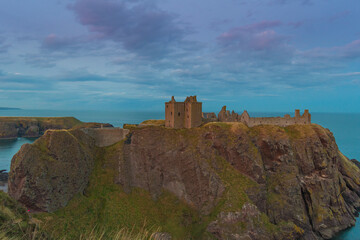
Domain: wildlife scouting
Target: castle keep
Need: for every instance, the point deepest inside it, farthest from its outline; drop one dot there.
(186, 114)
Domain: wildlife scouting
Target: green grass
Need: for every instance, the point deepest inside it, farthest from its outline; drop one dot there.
(14, 220)
(154, 122)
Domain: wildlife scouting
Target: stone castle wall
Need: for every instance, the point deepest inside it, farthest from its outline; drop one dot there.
(193, 116)
(106, 136)
(186, 114)
(225, 116)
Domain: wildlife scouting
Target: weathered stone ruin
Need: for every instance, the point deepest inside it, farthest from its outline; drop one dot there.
(227, 116)
(186, 114)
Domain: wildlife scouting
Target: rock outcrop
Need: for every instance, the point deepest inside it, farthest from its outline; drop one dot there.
(45, 175)
(264, 182)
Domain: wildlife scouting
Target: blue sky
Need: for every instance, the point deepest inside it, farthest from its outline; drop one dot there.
(260, 55)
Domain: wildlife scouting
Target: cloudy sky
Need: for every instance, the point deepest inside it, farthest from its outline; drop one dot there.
(260, 55)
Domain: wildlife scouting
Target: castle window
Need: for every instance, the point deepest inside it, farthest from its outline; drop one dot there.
(178, 114)
(167, 106)
(171, 113)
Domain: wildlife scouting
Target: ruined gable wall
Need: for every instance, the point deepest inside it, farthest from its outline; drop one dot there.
(209, 117)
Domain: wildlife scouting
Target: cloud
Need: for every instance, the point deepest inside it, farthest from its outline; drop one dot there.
(3, 45)
(346, 52)
(54, 43)
(349, 74)
(283, 2)
(82, 75)
(256, 43)
(254, 37)
(296, 24)
(39, 60)
(139, 26)
(339, 15)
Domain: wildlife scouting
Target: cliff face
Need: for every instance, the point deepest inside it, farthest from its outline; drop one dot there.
(296, 174)
(265, 182)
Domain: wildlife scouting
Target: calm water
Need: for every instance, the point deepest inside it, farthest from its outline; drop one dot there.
(346, 129)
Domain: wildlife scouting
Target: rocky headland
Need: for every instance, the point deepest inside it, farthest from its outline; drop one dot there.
(13, 127)
(221, 180)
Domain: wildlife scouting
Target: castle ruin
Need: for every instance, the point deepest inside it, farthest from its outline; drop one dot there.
(225, 116)
(187, 114)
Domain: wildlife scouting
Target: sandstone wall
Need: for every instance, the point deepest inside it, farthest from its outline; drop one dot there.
(193, 114)
(225, 116)
(279, 121)
(106, 136)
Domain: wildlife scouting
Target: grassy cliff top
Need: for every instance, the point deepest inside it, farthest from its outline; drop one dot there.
(153, 122)
(67, 122)
(40, 119)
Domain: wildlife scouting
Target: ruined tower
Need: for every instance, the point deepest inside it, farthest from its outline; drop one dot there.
(186, 114)
(193, 112)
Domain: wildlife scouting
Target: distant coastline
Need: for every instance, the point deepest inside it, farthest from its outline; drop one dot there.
(7, 108)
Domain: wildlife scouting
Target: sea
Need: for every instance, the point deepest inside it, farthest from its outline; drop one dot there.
(344, 126)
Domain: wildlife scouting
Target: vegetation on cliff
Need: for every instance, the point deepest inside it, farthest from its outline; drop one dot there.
(14, 220)
(222, 180)
(153, 122)
(13, 127)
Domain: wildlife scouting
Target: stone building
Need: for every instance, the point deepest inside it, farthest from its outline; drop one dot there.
(187, 114)
(225, 116)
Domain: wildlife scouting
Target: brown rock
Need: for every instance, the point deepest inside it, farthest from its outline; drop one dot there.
(45, 175)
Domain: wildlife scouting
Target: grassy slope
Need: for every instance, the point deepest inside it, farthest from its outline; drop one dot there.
(14, 220)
